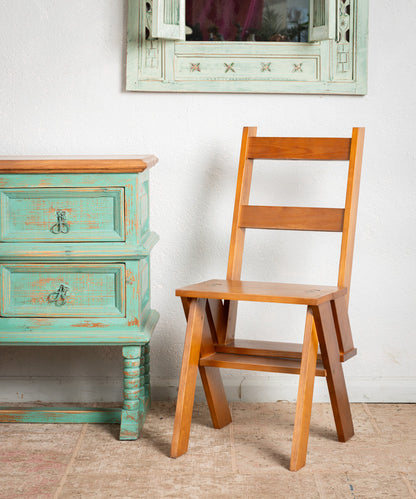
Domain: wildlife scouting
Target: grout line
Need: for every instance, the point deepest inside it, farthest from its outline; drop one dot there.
(372, 420)
(71, 461)
(408, 485)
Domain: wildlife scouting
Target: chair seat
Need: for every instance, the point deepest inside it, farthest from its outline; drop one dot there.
(226, 289)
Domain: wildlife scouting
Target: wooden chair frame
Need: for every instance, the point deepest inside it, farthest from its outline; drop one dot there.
(211, 307)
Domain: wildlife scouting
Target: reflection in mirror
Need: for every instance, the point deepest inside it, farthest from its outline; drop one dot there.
(247, 20)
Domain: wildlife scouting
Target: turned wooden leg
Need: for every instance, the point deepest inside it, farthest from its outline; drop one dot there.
(187, 382)
(328, 342)
(132, 414)
(305, 394)
(146, 364)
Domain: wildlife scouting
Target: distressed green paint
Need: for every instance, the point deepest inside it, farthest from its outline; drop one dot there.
(81, 332)
(133, 413)
(91, 214)
(60, 415)
(73, 252)
(168, 18)
(87, 286)
(328, 67)
(92, 290)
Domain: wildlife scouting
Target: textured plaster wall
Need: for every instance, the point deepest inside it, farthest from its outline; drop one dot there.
(61, 92)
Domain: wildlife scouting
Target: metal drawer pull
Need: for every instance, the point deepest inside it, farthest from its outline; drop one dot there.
(61, 227)
(59, 297)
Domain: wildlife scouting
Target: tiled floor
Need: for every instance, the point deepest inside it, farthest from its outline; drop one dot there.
(247, 459)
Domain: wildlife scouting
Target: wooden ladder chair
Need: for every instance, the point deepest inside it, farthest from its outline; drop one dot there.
(211, 307)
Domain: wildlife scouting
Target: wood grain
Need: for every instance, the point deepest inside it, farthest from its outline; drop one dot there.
(190, 361)
(76, 164)
(351, 208)
(291, 218)
(335, 377)
(262, 348)
(299, 148)
(301, 294)
(305, 394)
(254, 363)
(343, 328)
(242, 195)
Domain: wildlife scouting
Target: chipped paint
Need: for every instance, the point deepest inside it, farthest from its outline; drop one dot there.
(134, 322)
(90, 324)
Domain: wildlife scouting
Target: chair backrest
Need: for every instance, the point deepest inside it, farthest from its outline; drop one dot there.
(297, 218)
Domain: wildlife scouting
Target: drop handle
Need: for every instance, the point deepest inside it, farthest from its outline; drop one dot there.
(61, 227)
(59, 297)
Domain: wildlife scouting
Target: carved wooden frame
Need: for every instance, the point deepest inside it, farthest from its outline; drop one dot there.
(325, 67)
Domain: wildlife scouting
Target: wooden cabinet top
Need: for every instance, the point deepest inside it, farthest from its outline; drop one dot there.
(76, 164)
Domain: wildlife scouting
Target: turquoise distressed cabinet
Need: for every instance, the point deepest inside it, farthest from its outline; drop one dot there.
(74, 269)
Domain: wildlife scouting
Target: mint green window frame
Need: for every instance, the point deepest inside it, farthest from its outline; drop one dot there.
(334, 61)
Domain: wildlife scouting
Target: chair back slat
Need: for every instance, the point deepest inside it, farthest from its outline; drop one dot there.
(299, 148)
(291, 218)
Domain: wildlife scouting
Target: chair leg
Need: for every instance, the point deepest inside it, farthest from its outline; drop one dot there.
(343, 328)
(211, 376)
(305, 394)
(190, 360)
(215, 394)
(328, 342)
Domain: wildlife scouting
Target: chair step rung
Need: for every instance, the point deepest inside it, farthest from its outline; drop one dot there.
(272, 349)
(263, 349)
(257, 363)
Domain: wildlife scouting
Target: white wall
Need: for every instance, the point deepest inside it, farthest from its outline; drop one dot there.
(61, 92)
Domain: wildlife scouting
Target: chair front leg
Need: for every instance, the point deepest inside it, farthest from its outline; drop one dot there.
(305, 394)
(328, 342)
(187, 382)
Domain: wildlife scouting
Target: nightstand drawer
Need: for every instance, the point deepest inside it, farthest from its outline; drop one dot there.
(63, 290)
(62, 214)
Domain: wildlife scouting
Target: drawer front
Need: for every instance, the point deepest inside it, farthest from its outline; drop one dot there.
(62, 214)
(63, 290)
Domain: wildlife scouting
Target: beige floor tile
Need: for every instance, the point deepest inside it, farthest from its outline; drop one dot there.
(360, 455)
(36, 486)
(300, 485)
(394, 421)
(36, 453)
(149, 485)
(351, 485)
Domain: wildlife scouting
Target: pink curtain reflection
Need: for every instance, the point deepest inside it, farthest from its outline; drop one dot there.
(228, 20)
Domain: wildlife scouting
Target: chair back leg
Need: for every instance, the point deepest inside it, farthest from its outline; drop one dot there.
(325, 326)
